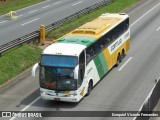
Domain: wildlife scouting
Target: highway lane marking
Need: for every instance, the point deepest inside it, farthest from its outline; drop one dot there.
(4, 21)
(134, 24)
(32, 11)
(38, 98)
(46, 6)
(77, 3)
(58, 2)
(30, 21)
(144, 15)
(158, 29)
(33, 5)
(125, 64)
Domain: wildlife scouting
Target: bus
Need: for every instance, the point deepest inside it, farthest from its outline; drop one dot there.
(73, 65)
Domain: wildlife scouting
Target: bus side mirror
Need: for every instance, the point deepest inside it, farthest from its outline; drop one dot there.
(34, 68)
(76, 71)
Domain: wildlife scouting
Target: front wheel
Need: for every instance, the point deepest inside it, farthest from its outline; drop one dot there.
(89, 88)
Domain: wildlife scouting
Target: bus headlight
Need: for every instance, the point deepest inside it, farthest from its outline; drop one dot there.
(43, 93)
(71, 95)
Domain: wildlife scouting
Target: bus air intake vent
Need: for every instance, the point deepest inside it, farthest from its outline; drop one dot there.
(72, 40)
(78, 32)
(61, 40)
(122, 14)
(84, 41)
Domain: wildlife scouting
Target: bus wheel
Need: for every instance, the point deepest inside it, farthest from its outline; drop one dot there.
(89, 88)
(119, 60)
(123, 53)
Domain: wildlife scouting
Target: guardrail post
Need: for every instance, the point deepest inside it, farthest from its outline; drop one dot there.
(42, 35)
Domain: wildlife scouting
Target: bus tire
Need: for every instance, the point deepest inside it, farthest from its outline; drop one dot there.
(119, 60)
(123, 54)
(89, 88)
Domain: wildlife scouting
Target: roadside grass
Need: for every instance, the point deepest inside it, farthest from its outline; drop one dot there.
(113, 7)
(18, 60)
(13, 5)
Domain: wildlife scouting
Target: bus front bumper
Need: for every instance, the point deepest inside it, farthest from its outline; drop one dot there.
(60, 98)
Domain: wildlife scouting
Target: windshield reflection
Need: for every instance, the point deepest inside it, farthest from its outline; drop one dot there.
(57, 78)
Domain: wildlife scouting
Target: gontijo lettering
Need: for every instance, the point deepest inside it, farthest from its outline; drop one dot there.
(116, 44)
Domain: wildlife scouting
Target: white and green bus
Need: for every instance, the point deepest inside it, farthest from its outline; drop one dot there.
(70, 67)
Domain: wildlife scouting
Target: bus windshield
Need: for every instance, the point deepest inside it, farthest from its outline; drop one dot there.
(56, 73)
(59, 61)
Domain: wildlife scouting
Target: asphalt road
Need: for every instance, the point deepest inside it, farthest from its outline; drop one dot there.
(123, 89)
(30, 18)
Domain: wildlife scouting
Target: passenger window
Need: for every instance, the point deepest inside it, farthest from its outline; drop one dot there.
(96, 48)
(88, 58)
(82, 65)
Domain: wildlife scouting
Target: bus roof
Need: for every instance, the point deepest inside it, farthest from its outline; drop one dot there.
(64, 49)
(82, 40)
(99, 25)
(76, 41)
(93, 30)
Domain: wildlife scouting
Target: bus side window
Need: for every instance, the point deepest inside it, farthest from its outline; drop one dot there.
(101, 47)
(125, 25)
(82, 65)
(97, 48)
(88, 58)
(108, 41)
(89, 54)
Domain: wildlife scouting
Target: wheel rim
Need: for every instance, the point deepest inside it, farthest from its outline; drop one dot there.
(89, 88)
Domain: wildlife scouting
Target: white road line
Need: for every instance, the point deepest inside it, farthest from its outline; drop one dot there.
(77, 3)
(144, 14)
(158, 29)
(4, 21)
(125, 64)
(134, 24)
(30, 21)
(31, 103)
(46, 6)
(33, 5)
(32, 11)
(27, 106)
(57, 2)
(19, 16)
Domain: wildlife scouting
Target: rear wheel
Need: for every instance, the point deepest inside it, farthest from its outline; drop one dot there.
(119, 60)
(89, 88)
(123, 54)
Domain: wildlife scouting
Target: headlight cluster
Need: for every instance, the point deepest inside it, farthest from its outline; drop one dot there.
(43, 93)
(65, 95)
(71, 95)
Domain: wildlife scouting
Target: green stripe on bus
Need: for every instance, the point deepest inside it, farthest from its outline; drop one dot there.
(103, 62)
(99, 67)
(83, 40)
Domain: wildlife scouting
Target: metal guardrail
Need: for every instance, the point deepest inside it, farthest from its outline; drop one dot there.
(27, 38)
(35, 35)
(150, 102)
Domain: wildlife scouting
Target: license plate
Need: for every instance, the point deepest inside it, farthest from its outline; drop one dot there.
(57, 99)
